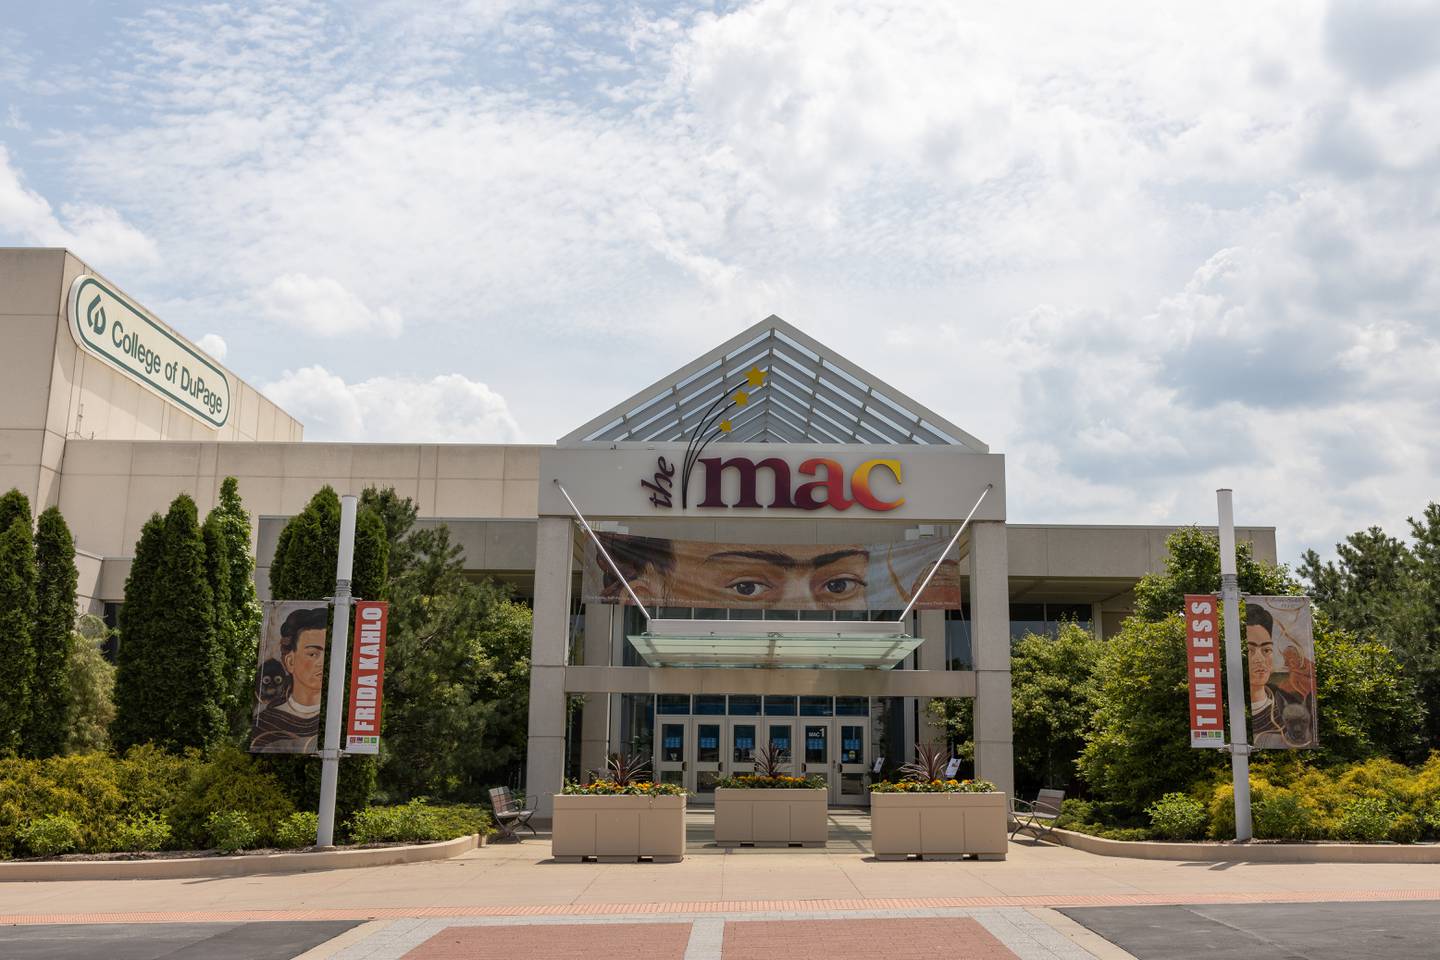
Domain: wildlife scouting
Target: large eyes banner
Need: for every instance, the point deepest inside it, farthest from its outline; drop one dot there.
(689, 573)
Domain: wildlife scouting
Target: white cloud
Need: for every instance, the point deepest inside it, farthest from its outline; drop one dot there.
(323, 307)
(96, 233)
(213, 344)
(444, 408)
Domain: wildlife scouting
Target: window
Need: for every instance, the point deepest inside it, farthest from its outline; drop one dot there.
(779, 706)
(672, 704)
(817, 707)
(744, 705)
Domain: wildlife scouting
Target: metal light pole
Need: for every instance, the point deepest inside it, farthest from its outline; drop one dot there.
(1234, 670)
(335, 694)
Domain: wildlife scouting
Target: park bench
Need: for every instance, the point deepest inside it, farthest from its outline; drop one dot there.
(1038, 815)
(509, 815)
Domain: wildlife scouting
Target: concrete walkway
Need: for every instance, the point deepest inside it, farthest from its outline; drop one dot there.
(519, 879)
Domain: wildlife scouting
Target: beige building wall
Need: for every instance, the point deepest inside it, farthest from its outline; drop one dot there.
(52, 392)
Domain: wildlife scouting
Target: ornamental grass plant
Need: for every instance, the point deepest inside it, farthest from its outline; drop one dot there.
(627, 775)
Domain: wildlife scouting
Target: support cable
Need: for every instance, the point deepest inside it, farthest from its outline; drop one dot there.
(941, 559)
(604, 553)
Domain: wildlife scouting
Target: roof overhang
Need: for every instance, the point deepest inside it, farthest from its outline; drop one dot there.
(841, 644)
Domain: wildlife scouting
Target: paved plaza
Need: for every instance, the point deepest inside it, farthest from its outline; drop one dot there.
(511, 899)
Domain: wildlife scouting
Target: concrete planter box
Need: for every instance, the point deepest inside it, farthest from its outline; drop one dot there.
(771, 817)
(938, 826)
(618, 829)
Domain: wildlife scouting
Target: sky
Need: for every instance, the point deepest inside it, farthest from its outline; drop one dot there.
(1144, 250)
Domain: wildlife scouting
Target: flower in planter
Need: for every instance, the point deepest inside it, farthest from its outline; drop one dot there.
(927, 775)
(624, 780)
(779, 781)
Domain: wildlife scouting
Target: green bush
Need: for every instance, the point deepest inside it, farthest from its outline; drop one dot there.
(1177, 816)
(461, 820)
(141, 832)
(1367, 820)
(1406, 829)
(51, 836)
(1280, 815)
(412, 822)
(230, 780)
(298, 830)
(229, 831)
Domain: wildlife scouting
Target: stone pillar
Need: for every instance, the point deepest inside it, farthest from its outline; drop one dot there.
(990, 608)
(545, 754)
(595, 719)
(930, 656)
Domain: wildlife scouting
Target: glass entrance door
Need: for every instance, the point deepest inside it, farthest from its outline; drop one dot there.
(816, 759)
(850, 769)
(671, 748)
(780, 735)
(709, 757)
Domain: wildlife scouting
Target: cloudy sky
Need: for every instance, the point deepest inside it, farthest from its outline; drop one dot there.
(1145, 250)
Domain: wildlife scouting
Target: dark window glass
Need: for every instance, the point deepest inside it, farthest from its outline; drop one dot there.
(744, 736)
(816, 707)
(817, 744)
(745, 705)
(707, 743)
(852, 744)
(779, 706)
(781, 735)
(958, 645)
(672, 742)
(710, 704)
(852, 706)
(670, 704)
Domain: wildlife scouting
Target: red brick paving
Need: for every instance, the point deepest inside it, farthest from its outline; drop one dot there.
(653, 941)
(725, 906)
(893, 939)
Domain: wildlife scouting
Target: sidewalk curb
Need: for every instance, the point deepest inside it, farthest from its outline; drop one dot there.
(1251, 852)
(236, 866)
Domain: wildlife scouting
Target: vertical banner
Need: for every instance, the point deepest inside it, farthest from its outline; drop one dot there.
(1202, 659)
(367, 677)
(290, 679)
(1280, 646)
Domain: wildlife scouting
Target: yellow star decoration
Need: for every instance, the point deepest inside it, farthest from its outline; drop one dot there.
(724, 426)
(756, 376)
(741, 397)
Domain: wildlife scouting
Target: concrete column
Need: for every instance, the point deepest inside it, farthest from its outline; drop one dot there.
(930, 656)
(545, 756)
(990, 606)
(595, 719)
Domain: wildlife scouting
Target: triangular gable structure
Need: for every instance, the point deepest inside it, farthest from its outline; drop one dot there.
(808, 394)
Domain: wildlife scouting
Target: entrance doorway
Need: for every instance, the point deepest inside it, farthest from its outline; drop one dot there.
(695, 751)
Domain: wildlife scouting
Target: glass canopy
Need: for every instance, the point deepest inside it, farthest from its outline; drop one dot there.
(855, 645)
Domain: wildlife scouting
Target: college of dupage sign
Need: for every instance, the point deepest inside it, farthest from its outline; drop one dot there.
(859, 481)
(108, 326)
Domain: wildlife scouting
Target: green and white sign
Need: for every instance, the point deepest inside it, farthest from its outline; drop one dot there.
(112, 328)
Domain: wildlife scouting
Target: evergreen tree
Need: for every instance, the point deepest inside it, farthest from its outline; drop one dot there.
(17, 614)
(91, 682)
(170, 687)
(304, 569)
(133, 702)
(237, 610)
(48, 722)
(13, 505)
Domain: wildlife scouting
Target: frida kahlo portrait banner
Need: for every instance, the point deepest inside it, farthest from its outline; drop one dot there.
(690, 573)
(290, 680)
(1280, 659)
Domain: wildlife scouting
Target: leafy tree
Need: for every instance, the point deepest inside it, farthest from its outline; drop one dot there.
(457, 687)
(1192, 565)
(17, 614)
(237, 611)
(47, 721)
(1367, 704)
(304, 569)
(90, 683)
(1381, 588)
(1052, 696)
(169, 685)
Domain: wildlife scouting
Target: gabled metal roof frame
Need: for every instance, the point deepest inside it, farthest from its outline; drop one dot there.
(811, 395)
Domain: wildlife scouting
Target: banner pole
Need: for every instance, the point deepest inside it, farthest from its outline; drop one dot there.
(335, 694)
(1235, 676)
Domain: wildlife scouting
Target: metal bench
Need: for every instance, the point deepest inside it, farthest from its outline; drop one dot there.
(509, 815)
(1038, 815)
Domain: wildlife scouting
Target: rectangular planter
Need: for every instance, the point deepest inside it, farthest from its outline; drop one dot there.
(778, 817)
(938, 825)
(618, 829)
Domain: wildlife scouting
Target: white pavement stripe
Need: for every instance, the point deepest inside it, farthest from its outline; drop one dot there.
(706, 938)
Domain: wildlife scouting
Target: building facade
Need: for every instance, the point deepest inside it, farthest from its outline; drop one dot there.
(110, 424)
